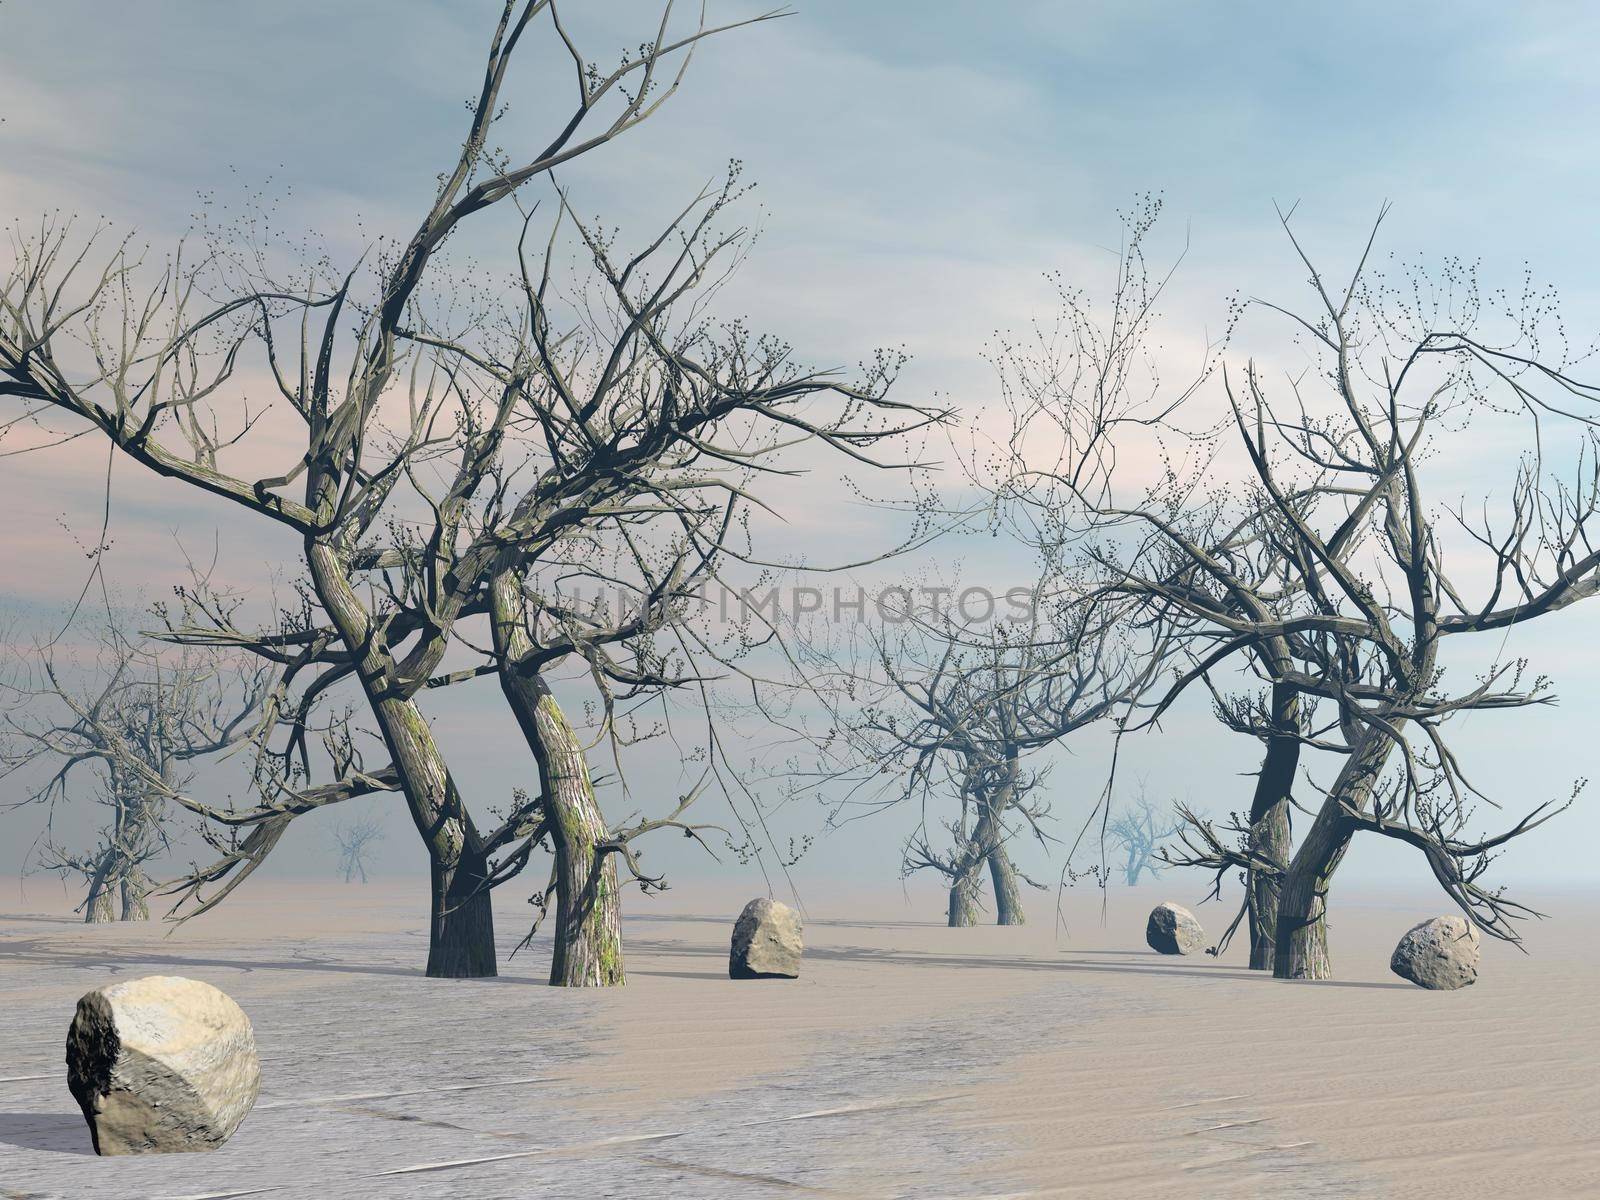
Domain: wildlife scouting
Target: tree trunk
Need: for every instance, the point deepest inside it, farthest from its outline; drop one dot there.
(588, 925)
(588, 929)
(135, 886)
(461, 931)
(1301, 951)
(1269, 836)
(1007, 895)
(98, 907)
(1270, 833)
(97, 904)
(964, 900)
(1134, 867)
(461, 922)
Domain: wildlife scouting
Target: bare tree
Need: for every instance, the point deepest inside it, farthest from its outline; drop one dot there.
(598, 489)
(945, 708)
(158, 383)
(1277, 716)
(1362, 606)
(354, 839)
(655, 427)
(137, 719)
(1139, 829)
(1323, 575)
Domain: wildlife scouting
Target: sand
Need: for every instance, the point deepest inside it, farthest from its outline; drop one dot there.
(910, 1060)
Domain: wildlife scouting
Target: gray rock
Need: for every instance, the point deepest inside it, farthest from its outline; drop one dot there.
(767, 942)
(160, 1065)
(1441, 954)
(1172, 929)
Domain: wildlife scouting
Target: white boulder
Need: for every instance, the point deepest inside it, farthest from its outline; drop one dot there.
(160, 1065)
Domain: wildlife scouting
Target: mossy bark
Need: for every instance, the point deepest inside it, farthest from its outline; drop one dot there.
(1270, 833)
(963, 911)
(1007, 892)
(588, 928)
(461, 921)
(587, 949)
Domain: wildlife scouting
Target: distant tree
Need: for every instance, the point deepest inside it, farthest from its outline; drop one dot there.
(135, 725)
(354, 838)
(1138, 830)
(937, 708)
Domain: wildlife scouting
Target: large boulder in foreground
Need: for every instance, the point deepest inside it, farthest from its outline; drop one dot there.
(160, 1065)
(1441, 954)
(1173, 929)
(766, 942)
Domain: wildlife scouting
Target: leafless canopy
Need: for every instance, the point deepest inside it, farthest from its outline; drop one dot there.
(1138, 829)
(135, 721)
(484, 452)
(1327, 574)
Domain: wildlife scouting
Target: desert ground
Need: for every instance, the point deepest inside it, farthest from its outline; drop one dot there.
(910, 1060)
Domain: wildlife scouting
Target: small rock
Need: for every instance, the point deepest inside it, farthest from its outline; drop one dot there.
(1172, 929)
(1441, 954)
(767, 942)
(160, 1065)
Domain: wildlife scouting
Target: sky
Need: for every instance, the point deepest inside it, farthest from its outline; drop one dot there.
(922, 166)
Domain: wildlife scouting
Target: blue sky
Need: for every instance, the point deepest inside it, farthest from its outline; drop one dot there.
(920, 165)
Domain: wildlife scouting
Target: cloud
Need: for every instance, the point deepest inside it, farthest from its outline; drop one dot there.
(920, 168)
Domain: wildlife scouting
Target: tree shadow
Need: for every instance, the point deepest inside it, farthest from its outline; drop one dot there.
(813, 922)
(55, 1133)
(43, 953)
(1137, 963)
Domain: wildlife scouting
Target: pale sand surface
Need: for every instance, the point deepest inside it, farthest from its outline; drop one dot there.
(909, 1061)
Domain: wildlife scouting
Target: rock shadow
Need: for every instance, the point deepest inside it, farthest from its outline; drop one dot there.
(56, 1133)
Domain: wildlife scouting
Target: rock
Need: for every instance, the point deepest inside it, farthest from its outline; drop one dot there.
(160, 1065)
(1441, 954)
(767, 942)
(1172, 929)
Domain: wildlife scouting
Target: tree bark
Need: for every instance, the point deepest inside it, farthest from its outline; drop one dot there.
(134, 886)
(964, 900)
(461, 932)
(1301, 951)
(588, 929)
(461, 922)
(966, 884)
(588, 925)
(1270, 833)
(98, 907)
(1007, 894)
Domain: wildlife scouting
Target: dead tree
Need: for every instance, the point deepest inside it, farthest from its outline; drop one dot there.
(644, 431)
(354, 839)
(1322, 575)
(139, 717)
(948, 709)
(987, 795)
(158, 382)
(1139, 829)
(1277, 717)
(1363, 604)
(608, 459)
